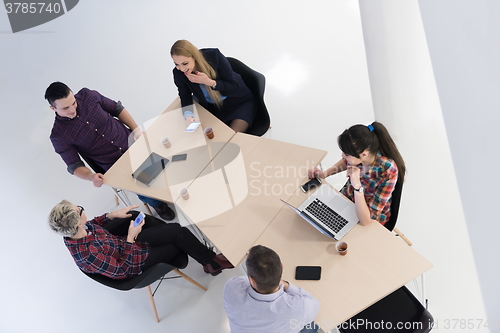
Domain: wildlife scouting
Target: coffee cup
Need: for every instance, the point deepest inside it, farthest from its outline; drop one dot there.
(166, 142)
(341, 248)
(209, 132)
(183, 192)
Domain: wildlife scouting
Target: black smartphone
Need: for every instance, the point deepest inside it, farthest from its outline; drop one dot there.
(308, 273)
(311, 184)
(180, 157)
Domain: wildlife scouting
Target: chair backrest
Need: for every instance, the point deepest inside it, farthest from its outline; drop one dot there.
(396, 199)
(398, 308)
(144, 279)
(256, 82)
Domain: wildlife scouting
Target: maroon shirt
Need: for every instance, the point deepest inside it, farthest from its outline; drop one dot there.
(93, 133)
(103, 253)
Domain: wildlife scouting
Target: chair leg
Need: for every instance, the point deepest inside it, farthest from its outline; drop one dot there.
(151, 297)
(122, 196)
(189, 279)
(403, 237)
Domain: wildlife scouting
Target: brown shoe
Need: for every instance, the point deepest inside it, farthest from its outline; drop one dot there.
(222, 261)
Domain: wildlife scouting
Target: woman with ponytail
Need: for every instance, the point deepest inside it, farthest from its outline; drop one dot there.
(207, 75)
(373, 164)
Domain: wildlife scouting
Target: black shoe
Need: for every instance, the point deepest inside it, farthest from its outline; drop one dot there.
(165, 212)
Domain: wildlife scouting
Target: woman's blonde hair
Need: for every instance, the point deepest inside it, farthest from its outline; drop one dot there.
(64, 219)
(184, 48)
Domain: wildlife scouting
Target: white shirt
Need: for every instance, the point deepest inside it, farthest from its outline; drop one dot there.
(281, 311)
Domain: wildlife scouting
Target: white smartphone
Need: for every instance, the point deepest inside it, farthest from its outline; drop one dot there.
(139, 219)
(193, 126)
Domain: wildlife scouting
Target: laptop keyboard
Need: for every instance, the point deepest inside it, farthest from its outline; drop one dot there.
(326, 215)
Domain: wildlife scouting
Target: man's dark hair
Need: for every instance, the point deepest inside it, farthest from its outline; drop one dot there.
(264, 266)
(55, 91)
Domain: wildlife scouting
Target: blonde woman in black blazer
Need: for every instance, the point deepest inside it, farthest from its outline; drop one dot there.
(207, 75)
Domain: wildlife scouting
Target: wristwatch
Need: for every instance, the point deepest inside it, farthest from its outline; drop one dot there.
(215, 85)
(360, 189)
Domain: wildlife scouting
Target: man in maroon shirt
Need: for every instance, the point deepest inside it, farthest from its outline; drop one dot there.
(90, 125)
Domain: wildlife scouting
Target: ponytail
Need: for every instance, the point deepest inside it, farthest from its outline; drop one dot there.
(389, 149)
(374, 137)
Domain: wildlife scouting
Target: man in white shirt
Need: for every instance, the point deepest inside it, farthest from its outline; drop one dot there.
(263, 302)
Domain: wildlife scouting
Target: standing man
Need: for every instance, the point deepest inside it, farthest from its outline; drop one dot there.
(91, 125)
(263, 302)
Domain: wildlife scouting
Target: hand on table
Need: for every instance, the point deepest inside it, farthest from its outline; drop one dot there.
(316, 172)
(97, 179)
(285, 284)
(122, 212)
(189, 120)
(137, 132)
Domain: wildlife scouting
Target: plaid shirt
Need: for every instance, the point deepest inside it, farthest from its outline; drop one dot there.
(103, 253)
(378, 185)
(93, 133)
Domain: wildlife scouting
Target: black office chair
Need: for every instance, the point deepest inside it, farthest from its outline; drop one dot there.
(146, 278)
(391, 224)
(397, 312)
(256, 82)
(396, 199)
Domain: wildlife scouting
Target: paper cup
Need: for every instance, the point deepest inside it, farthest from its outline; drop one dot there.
(166, 142)
(183, 192)
(341, 248)
(209, 132)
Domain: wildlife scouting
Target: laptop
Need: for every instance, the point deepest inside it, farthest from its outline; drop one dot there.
(330, 212)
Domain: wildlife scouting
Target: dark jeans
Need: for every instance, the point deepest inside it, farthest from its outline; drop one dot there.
(150, 201)
(166, 240)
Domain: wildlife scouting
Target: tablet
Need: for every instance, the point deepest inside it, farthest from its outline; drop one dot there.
(150, 169)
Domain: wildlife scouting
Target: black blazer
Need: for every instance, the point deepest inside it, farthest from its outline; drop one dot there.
(228, 83)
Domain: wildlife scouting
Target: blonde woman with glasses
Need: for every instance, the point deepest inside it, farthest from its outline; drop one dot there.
(113, 246)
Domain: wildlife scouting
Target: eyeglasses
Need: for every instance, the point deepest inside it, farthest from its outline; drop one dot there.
(81, 209)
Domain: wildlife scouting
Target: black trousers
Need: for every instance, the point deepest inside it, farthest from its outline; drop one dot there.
(166, 240)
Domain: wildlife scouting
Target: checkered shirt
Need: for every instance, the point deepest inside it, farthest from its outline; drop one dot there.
(378, 185)
(103, 253)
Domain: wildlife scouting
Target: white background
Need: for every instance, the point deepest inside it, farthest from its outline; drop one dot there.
(318, 83)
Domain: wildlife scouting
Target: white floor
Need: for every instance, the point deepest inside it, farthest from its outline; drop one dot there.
(313, 56)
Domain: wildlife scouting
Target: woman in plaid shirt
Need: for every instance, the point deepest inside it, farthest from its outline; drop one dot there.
(373, 164)
(112, 246)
